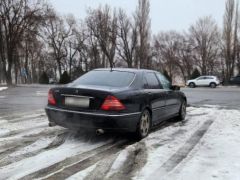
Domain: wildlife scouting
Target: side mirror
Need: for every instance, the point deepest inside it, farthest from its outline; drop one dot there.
(175, 88)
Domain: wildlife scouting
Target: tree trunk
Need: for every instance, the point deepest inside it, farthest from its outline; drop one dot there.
(59, 68)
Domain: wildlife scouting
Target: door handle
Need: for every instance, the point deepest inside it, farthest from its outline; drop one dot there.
(149, 93)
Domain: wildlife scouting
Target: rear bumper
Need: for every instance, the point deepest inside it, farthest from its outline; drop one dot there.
(78, 120)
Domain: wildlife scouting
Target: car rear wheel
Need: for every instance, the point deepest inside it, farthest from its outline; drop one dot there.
(192, 85)
(182, 111)
(213, 85)
(144, 124)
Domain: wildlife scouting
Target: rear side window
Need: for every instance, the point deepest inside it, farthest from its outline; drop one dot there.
(165, 83)
(209, 78)
(152, 82)
(201, 78)
(105, 78)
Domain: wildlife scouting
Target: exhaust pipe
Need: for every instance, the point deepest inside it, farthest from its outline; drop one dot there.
(51, 124)
(99, 131)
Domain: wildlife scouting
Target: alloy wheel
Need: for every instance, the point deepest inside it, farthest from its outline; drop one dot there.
(145, 123)
(183, 110)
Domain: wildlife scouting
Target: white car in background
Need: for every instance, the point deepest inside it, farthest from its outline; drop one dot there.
(211, 81)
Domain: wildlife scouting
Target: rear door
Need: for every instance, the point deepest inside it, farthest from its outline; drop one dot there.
(237, 80)
(201, 81)
(155, 93)
(173, 102)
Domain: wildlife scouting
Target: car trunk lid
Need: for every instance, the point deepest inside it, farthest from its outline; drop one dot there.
(84, 98)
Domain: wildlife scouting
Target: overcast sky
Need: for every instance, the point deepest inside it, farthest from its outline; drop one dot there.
(165, 14)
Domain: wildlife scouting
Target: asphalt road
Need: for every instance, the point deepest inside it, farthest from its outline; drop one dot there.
(30, 98)
(226, 97)
(23, 99)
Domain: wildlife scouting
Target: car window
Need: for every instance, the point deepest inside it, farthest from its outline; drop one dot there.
(105, 78)
(164, 82)
(152, 82)
(209, 78)
(201, 78)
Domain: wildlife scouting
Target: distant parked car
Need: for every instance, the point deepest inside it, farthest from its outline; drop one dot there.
(211, 81)
(52, 81)
(235, 80)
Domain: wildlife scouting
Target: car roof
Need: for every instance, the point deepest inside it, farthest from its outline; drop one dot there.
(125, 69)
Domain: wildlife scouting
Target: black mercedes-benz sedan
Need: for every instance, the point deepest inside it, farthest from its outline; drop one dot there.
(130, 100)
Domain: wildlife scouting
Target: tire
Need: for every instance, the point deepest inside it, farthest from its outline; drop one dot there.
(213, 85)
(144, 125)
(192, 85)
(182, 111)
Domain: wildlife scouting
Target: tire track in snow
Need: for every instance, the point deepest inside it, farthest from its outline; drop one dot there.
(136, 159)
(8, 158)
(100, 171)
(74, 164)
(12, 144)
(182, 153)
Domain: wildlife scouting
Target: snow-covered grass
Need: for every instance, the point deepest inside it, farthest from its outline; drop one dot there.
(3, 88)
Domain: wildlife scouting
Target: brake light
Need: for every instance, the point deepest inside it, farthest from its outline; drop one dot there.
(51, 99)
(111, 103)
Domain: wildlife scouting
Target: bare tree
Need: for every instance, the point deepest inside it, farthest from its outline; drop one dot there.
(230, 31)
(58, 31)
(204, 37)
(127, 39)
(103, 25)
(143, 24)
(16, 17)
(185, 61)
(166, 48)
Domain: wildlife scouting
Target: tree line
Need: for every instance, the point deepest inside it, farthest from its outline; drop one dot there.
(36, 42)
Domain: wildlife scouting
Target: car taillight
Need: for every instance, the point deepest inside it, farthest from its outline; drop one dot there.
(111, 103)
(51, 99)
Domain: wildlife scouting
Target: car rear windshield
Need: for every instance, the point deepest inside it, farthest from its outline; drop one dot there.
(105, 78)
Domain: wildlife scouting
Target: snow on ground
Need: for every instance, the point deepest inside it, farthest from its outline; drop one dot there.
(70, 148)
(205, 146)
(82, 174)
(3, 88)
(217, 156)
(213, 158)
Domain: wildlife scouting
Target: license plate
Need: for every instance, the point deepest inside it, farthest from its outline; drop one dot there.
(77, 101)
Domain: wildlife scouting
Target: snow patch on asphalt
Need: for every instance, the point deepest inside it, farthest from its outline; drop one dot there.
(4, 132)
(38, 145)
(3, 88)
